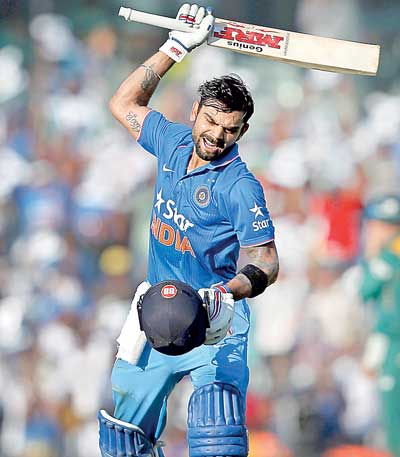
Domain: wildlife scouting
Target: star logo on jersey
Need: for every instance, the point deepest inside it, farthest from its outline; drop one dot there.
(171, 212)
(159, 201)
(256, 210)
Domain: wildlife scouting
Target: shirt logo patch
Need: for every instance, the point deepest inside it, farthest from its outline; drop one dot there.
(165, 168)
(167, 234)
(256, 210)
(171, 212)
(169, 291)
(257, 224)
(202, 196)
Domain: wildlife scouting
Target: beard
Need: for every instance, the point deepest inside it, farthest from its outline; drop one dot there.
(207, 148)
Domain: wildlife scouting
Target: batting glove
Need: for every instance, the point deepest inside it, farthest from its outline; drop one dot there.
(180, 43)
(220, 307)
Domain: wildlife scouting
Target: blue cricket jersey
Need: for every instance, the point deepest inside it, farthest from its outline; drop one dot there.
(199, 219)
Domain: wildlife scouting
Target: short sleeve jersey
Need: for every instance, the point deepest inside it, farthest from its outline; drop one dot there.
(201, 218)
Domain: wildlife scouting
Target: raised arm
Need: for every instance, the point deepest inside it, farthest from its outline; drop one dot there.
(261, 272)
(129, 103)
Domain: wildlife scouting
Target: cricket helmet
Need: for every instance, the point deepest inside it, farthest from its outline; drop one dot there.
(173, 317)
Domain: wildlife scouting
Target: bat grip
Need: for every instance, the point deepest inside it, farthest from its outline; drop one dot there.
(131, 15)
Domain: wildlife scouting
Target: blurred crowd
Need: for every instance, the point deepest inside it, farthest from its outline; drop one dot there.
(75, 200)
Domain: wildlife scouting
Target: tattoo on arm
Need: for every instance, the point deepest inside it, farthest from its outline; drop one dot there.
(148, 85)
(133, 122)
(266, 258)
(151, 79)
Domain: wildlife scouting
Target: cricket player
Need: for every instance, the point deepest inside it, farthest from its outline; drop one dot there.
(207, 206)
(381, 285)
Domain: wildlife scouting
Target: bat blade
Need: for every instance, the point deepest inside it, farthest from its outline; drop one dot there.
(301, 49)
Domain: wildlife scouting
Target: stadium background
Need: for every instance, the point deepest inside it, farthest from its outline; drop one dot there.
(75, 198)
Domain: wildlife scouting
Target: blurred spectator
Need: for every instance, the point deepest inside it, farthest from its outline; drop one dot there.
(355, 451)
(380, 284)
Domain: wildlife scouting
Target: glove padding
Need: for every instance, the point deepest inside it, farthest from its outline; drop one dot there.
(220, 308)
(180, 43)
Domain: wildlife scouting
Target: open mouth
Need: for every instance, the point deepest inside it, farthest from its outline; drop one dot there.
(210, 146)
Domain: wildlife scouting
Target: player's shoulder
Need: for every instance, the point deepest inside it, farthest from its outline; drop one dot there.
(239, 171)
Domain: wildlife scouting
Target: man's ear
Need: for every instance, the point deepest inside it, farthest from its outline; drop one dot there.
(195, 111)
(243, 130)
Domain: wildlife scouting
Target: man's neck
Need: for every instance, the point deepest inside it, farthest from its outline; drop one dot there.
(195, 161)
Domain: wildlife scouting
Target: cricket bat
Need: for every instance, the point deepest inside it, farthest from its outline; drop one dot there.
(300, 49)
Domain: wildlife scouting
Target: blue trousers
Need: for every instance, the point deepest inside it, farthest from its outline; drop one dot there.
(140, 392)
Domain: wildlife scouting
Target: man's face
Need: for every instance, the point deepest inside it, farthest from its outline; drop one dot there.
(214, 131)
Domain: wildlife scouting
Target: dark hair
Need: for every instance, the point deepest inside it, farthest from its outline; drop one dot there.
(227, 93)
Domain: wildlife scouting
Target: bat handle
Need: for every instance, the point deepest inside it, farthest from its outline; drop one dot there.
(131, 15)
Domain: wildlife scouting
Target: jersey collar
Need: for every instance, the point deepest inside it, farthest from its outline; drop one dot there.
(232, 155)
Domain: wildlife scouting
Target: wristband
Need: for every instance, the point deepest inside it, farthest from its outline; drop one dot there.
(174, 49)
(258, 279)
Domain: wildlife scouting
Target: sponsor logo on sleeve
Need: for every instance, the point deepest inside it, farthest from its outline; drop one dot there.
(257, 223)
(256, 210)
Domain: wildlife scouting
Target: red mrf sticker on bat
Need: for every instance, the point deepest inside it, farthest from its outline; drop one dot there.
(169, 291)
(243, 37)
